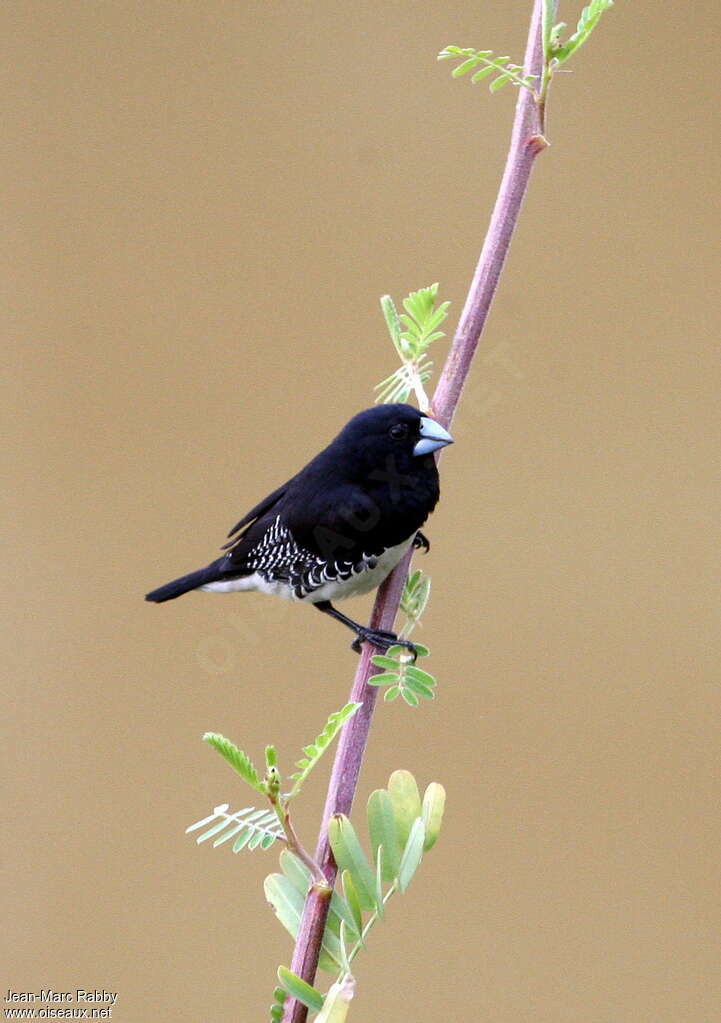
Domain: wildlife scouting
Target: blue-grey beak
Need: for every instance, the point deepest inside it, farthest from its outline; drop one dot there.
(433, 436)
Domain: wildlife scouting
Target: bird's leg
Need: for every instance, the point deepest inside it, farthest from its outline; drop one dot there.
(421, 542)
(379, 638)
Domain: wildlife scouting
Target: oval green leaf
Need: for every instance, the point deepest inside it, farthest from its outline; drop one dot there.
(384, 679)
(382, 829)
(406, 800)
(434, 801)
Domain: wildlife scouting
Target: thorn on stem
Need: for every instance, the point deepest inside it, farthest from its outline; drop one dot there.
(537, 143)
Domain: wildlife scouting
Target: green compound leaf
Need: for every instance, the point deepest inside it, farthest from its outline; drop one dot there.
(403, 678)
(237, 759)
(383, 833)
(349, 856)
(412, 854)
(299, 989)
(412, 333)
(249, 827)
(315, 751)
(406, 801)
(590, 17)
(416, 592)
(486, 65)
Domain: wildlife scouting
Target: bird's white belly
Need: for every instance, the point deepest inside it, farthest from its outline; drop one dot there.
(362, 582)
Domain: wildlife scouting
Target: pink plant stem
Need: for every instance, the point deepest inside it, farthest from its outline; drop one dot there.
(527, 142)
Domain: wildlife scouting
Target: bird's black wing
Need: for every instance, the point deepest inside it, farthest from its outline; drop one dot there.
(309, 537)
(257, 512)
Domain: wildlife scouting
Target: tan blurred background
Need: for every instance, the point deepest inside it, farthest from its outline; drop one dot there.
(203, 203)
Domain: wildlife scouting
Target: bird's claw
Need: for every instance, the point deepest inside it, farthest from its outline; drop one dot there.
(421, 542)
(383, 641)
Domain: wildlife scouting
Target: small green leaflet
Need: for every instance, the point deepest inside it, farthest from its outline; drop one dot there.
(383, 832)
(406, 801)
(434, 802)
(299, 989)
(412, 854)
(236, 758)
(315, 751)
(390, 314)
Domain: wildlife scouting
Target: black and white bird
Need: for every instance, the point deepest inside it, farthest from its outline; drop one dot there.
(338, 527)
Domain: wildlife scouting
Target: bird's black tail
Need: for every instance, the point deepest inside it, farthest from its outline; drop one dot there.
(178, 587)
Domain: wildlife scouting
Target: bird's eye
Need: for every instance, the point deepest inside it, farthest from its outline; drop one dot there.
(399, 431)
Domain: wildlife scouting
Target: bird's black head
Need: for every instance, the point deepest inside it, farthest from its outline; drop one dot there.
(374, 485)
(397, 432)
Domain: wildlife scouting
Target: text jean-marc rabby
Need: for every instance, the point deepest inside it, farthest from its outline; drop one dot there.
(80, 994)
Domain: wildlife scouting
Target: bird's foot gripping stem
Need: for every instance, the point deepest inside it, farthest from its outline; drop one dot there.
(379, 638)
(382, 640)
